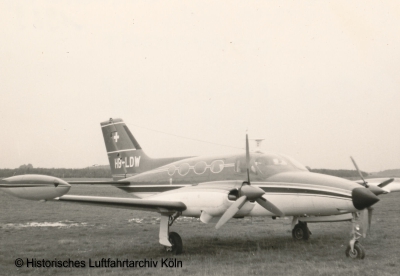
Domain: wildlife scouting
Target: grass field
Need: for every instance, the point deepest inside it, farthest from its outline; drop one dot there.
(258, 246)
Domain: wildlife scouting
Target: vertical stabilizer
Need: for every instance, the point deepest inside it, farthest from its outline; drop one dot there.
(125, 155)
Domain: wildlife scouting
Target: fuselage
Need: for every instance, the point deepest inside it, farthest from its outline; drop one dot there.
(286, 182)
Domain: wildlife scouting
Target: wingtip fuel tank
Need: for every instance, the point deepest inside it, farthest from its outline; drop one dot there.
(34, 187)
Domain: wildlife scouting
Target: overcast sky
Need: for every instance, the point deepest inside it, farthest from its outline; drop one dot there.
(319, 80)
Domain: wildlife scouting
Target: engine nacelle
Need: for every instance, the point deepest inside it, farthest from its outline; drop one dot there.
(34, 186)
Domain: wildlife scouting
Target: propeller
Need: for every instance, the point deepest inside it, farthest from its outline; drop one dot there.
(247, 193)
(377, 190)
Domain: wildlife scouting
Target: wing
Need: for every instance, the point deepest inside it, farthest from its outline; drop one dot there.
(126, 203)
(114, 183)
(42, 187)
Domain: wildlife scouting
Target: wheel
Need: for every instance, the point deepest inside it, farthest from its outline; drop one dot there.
(358, 253)
(300, 232)
(176, 241)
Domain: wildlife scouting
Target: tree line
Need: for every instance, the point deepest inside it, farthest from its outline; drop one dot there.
(89, 172)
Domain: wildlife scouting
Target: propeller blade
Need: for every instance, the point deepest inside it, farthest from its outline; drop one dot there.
(386, 182)
(269, 206)
(359, 172)
(366, 220)
(248, 159)
(370, 217)
(231, 211)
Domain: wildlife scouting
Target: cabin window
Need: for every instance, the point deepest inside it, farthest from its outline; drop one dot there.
(171, 170)
(200, 167)
(217, 166)
(183, 169)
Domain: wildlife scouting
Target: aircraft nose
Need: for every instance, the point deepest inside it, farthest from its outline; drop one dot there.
(363, 198)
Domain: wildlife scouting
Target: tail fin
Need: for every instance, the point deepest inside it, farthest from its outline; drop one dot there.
(125, 155)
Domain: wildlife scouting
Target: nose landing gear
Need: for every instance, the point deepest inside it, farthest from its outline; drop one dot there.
(358, 252)
(355, 250)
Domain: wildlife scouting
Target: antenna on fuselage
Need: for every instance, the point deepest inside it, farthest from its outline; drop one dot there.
(248, 159)
(258, 144)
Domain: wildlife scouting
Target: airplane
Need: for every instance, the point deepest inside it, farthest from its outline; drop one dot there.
(216, 189)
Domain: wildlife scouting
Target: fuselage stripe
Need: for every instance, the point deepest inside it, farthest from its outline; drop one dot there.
(120, 150)
(113, 124)
(282, 190)
(274, 190)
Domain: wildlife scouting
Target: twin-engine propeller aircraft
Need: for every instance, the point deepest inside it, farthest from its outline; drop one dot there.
(214, 189)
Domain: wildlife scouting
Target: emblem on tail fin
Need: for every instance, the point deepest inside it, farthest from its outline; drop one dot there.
(116, 137)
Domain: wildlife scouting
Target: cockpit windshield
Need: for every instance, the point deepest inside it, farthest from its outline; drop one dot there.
(270, 164)
(296, 163)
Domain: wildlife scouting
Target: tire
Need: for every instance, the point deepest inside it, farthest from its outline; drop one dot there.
(176, 241)
(358, 253)
(301, 232)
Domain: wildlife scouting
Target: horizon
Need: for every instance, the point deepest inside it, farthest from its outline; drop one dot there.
(108, 167)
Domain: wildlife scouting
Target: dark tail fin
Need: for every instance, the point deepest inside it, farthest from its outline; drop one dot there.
(125, 155)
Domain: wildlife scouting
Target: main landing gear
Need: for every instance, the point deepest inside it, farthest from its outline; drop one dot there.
(171, 240)
(300, 230)
(355, 250)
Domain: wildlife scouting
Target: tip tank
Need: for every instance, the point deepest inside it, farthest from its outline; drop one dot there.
(34, 187)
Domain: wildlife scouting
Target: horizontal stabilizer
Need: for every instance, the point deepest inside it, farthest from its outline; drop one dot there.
(126, 203)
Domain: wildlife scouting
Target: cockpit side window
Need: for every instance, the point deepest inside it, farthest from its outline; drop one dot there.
(266, 165)
(272, 164)
(278, 161)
